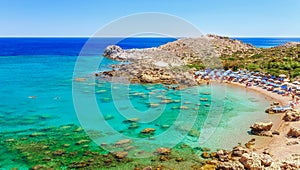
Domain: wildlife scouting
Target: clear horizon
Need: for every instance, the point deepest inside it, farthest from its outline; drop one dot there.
(142, 37)
(232, 18)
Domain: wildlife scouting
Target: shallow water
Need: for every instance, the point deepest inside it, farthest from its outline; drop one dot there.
(36, 93)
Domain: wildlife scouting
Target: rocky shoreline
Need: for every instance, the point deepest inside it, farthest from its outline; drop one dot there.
(173, 62)
(250, 158)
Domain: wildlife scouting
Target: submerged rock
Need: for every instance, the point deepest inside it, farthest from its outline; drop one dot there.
(37, 134)
(10, 140)
(194, 133)
(37, 167)
(59, 152)
(205, 155)
(108, 117)
(83, 141)
(163, 151)
(121, 155)
(133, 126)
(132, 120)
(154, 104)
(123, 142)
(148, 130)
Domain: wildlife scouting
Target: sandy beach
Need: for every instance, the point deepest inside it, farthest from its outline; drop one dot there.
(277, 145)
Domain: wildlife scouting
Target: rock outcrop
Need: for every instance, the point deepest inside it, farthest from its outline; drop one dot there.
(294, 132)
(113, 52)
(251, 161)
(292, 115)
(166, 64)
(163, 151)
(241, 158)
(262, 129)
(230, 166)
(226, 46)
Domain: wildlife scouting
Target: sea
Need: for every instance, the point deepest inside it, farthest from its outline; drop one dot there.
(39, 90)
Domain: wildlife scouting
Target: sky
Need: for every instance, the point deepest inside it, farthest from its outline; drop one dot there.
(234, 18)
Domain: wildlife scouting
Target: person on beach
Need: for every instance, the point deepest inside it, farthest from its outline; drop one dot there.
(297, 100)
(290, 90)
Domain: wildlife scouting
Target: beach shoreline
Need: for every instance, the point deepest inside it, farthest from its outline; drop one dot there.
(277, 145)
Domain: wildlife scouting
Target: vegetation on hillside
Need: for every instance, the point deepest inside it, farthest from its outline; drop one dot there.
(276, 60)
(236, 55)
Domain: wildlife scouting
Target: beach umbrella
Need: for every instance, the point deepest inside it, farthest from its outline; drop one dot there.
(282, 75)
(284, 87)
(277, 81)
(296, 82)
(294, 86)
(199, 72)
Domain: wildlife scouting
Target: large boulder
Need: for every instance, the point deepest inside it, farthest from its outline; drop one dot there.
(290, 164)
(114, 52)
(294, 132)
(262, 129)
(292, 115)
(239, 151)
(266, 160)
(222, 155)
(251, 161)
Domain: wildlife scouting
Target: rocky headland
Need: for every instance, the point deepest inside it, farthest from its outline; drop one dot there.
(174, 62)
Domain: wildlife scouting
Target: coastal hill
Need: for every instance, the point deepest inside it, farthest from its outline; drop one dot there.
(172, 62)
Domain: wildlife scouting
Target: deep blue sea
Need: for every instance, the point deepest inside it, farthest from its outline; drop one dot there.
(36, 76)
(267, 42)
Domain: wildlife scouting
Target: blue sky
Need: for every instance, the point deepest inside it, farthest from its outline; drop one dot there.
(256, 18)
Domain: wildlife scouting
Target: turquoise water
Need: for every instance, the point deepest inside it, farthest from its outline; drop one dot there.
(36, 93)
